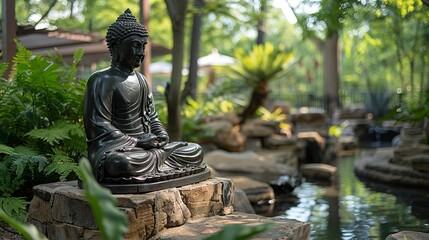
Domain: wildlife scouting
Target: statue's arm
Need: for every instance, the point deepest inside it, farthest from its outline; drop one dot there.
(150, 112)
(150, 117)
(155, 124)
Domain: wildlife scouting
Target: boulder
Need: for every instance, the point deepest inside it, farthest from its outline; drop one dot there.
(318, 171)
(227, 136)
(351, 113)
(306, 120)
(314, 146)
(278, 141)
(256, 192)
(241, 202)
(257, 128)
(247, 162)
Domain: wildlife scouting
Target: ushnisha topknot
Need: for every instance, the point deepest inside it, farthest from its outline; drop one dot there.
(125, 25)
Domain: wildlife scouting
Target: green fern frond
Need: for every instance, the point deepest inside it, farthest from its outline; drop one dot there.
(40, 161)
(6, 149)
(70, 135)
(26, 150)
(22, 55)
(23, 163)
(75, 129)
(76, 144)
(8, 182)
(19, 163)
(18, 166)
(61, 164)
(63, 170)
(14, 207)
(3, 67)
(77, 56)
(6, 189)
(52, 135)
(38, 77)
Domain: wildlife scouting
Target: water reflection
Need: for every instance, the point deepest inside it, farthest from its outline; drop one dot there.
(352, 210)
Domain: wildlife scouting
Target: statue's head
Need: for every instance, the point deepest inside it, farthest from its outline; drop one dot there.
(126, 38)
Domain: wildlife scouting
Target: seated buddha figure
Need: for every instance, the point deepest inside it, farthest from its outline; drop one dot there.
(126, 140)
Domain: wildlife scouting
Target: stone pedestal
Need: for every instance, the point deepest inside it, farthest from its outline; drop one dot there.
(61, 211)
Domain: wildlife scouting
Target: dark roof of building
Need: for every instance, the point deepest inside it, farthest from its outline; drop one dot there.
(65, 43)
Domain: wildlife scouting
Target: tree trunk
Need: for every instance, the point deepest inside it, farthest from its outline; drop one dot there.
(412, 56)
(259, 98)
(422, 78)
(177, 12)
(191, 84)
(8, 34)
(144, 19)
(399, 53)
(261, 26)
(331, 75)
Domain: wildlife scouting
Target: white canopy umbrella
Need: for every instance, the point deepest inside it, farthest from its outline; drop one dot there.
(215, 59)
(163, 67)
(160, 67)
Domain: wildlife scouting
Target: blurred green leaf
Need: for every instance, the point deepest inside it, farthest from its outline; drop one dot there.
(111, 221)
(239, 232)
(28, 231)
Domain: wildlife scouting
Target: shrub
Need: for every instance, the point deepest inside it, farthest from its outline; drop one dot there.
(41, 135)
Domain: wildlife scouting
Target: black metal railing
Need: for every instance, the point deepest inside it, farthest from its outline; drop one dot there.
(345, 98)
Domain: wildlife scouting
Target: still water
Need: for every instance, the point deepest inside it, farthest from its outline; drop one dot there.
(351, 209)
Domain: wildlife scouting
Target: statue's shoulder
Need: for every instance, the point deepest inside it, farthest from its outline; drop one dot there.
(103, 73)
(100, 76)
(142, 78)
(140, 75)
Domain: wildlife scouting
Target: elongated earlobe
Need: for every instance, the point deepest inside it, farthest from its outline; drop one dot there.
(114, 48)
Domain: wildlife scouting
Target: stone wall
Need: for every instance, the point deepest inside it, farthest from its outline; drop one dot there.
(60, 210)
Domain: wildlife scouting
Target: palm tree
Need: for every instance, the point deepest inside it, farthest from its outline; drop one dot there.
(258, 67)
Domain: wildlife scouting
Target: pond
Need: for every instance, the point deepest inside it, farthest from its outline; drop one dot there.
(351, 209)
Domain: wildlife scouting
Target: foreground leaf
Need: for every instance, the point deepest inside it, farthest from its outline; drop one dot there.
(239, 232)
(28, 231)
(111, 221)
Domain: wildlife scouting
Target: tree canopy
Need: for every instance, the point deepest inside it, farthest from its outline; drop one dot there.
(381, 43)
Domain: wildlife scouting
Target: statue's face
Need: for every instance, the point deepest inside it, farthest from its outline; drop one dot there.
(131, 51)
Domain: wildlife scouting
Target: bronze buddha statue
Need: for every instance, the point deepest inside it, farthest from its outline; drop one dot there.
(127, 144)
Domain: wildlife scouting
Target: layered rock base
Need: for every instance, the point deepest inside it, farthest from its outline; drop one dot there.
(379, 167)
(61, 211)
(410, 235)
